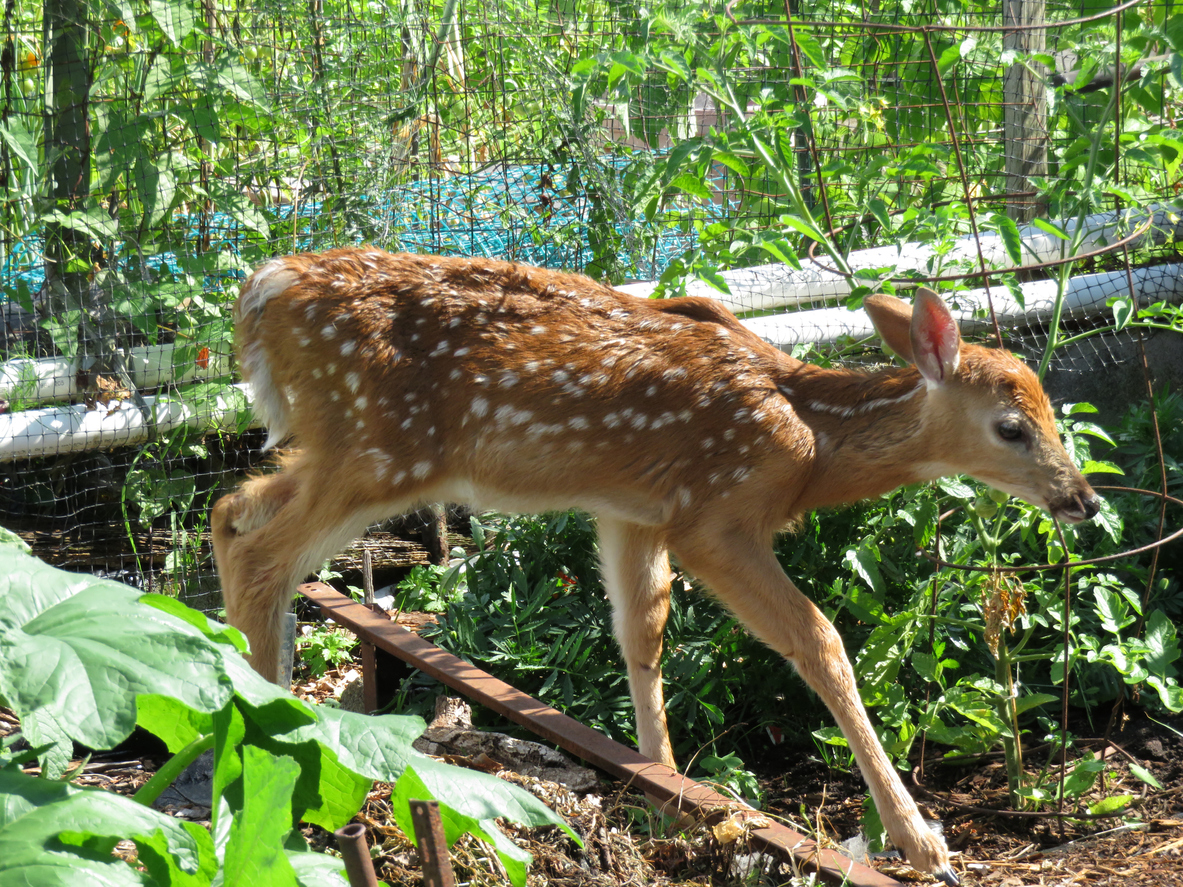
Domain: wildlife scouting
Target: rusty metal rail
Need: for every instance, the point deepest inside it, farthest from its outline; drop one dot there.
(656, 780)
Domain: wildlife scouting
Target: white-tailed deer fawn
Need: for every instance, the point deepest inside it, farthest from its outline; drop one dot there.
(405, 380)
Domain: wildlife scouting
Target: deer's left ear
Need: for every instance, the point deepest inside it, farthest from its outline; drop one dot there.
(893, 322)
(936, 341)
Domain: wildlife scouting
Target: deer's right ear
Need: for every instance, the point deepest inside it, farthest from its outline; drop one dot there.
(936, 340)
(924, 333)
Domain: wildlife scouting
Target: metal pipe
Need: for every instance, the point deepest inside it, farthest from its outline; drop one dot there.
(355, 851)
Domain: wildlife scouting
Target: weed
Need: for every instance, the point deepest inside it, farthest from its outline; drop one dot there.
(323, 647)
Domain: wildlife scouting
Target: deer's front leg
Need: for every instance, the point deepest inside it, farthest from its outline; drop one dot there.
(636, 574)
(755, 588)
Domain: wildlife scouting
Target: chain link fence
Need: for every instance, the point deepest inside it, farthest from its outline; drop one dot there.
(152, 152)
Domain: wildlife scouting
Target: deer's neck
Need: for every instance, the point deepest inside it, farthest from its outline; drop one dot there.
(870, 430)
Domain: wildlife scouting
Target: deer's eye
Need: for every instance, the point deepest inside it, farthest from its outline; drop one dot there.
(1010, 430)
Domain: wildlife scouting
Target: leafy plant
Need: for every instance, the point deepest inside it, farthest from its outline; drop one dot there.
(729, 774)
(529, 607)
(324, 647)
(85, 660)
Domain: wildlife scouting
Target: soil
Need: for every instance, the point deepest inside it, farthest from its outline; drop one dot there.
(993, 846)
(626, 843)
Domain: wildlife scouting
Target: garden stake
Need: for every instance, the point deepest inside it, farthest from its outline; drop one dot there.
(355, 851)
(433, 846)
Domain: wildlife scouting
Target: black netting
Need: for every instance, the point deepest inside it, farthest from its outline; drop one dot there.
(152, 153)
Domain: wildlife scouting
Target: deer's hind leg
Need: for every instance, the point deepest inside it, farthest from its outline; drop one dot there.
(269, 534)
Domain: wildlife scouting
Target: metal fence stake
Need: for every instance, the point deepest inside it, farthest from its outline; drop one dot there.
(355, 851)
(433, 846)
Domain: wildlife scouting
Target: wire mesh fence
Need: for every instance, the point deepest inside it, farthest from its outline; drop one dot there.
(152, 153)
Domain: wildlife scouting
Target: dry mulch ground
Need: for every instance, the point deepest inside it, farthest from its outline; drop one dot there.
(626, 843)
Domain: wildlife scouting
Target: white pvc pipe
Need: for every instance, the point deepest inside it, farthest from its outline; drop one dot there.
(73, 428)
(66, 429)
(50, 379)
(763, 287)
(1085, 296)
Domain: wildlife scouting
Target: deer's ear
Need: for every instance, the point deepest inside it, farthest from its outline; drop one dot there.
(924, 333)
(893, 321)
(936, 341)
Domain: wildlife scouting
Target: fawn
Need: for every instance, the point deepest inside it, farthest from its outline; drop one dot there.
(406, 379)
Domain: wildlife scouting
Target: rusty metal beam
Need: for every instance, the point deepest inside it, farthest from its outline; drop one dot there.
(659, 782)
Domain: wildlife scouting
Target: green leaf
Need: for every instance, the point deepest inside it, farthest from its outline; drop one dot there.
(176, 18)
(1034, 700)
(1082, 777)
(812, 50)
(20, 141)
(53, 834)
(317, 869)
(956, 488)
(1145, 775)
(456, 823)
(7, 537)
(1011, 239)
(239, 208)
(1093, 466)
(1162, 639)
(1113, 610)
(692, 185)
(254, 852)
(806, 226)
(1124, 311)
(864, 562)
(878, 208)
(949, 57)
(1054, 230)
(75, 651)
(873, 826)
(732, 162)
(714, 278)
(1110, 805)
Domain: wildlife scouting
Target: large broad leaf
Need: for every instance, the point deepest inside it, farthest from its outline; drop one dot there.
(53, 834)
(410, 787)
(254, 853)
(341, 752)
(75, 651)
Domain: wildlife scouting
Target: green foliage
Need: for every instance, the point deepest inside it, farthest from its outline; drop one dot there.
(944, 654)
(325, 647)
(530, 609)
(729, 775)
(84, 660)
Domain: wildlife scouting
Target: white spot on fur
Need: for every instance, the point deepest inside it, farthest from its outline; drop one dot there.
(353, 380)
(420, 470)
(479, 407)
